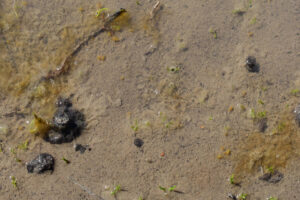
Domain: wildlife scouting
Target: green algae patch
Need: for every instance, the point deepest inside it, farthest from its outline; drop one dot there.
(39, 126)
(262, 151)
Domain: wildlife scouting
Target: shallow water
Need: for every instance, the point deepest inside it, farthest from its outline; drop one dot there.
(176, 80)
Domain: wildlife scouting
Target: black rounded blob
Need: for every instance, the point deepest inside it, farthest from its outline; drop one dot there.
(41, 163)
(251, 64)
(297, 114)
(138, 142)
(67, 123)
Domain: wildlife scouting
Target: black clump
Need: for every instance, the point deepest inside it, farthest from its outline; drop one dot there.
(272, 177)
(41, 163)
(67, 123)
(80, 148)
(297, 114)
(138, 142)
(251, 64)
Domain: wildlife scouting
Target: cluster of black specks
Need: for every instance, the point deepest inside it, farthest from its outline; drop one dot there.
(67, 123)
(81, 148)
(251, 64)
(41, 163)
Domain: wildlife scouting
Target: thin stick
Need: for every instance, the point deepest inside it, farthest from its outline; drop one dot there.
(84, 188)
(65, 65)
(14, 8)
(154, 10)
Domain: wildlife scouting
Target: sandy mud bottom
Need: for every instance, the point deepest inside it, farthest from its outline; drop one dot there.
(171, 108)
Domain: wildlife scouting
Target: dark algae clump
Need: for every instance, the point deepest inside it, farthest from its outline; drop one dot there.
(138, 142)
(41, 163)
(67, 123)
(251, 64)
(272, 177)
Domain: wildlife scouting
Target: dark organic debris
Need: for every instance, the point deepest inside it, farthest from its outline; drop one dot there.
(297, 114)
(251, 64)
(138, 142)
(272, 177)
(232, 196)
(80, 148)
(41, 163)
(262, 125)
(67, 123)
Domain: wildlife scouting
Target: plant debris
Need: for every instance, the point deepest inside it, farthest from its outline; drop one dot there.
(272, 177)
(65, 65)
(41, 163)
(14, 181)
(251, 64)
(297, 114)
(261, 124)
(155, 9)
(66, 160)
(39, 126)
(80, 148)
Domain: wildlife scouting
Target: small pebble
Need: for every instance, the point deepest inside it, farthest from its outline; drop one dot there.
(251, 64)
(41, 163)
(138, 142)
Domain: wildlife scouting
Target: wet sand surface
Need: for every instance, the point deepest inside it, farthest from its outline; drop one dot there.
(173, 76)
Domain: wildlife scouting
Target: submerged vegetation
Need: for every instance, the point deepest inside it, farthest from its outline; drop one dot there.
(14, 181)
(116, 190)
(269, 151)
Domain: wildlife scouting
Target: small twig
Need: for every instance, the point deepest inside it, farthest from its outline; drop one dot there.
(65, 65)
(154, 10)
(14, 8)
(84, 188)
(14, 113)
